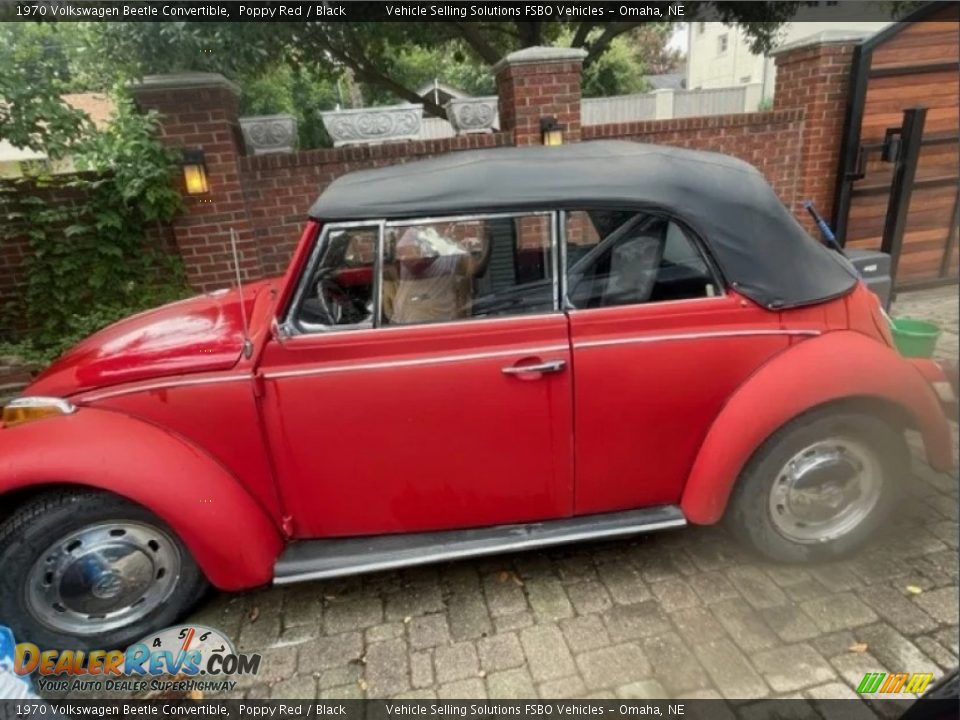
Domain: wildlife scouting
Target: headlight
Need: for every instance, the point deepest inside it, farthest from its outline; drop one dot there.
(25, 409)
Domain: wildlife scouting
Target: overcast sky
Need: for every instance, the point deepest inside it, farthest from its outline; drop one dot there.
(678, 40)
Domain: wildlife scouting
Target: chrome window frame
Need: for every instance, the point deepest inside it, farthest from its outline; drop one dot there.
(290, 325)
(293, 330)
(698, 245)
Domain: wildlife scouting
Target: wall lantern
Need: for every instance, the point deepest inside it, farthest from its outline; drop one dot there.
(195, 172)
(551, 131)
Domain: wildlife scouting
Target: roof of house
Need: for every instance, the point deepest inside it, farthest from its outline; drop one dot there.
(427, 89)
(759, 246)
(98, 106)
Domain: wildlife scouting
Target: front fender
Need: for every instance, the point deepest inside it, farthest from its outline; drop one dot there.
(835, 366)
(231, 537)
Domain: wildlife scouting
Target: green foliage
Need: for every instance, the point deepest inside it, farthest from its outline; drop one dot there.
(450, 63)
(28, 119)
(91, 261)
(41, 349)
(617, 72)
(390, 60)
(282, 88)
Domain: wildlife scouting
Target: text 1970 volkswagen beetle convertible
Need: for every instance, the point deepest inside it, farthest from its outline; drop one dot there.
(469, 354)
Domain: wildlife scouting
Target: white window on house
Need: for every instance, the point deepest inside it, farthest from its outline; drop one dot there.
(722, 44)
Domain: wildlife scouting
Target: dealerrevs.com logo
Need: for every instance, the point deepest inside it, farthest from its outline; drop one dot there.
(879, 682)
(182, 658)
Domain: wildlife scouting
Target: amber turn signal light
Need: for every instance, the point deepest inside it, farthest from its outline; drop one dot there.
(27, 409)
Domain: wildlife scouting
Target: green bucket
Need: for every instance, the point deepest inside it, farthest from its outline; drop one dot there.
(914, 338)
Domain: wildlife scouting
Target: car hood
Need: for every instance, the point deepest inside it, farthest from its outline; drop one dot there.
(198, 334)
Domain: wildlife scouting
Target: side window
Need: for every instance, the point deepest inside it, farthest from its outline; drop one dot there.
(626, 258)
(340, 289)
(466, 268)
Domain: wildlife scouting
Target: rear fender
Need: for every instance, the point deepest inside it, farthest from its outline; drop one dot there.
(230, 536)
(836, 366)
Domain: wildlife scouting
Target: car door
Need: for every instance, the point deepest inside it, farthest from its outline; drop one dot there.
(424, 383)
(658, 346)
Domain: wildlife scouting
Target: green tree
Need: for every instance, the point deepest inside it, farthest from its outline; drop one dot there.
(91, 261)
(32, 59)
(389, 57)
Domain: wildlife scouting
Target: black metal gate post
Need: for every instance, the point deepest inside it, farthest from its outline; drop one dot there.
(901, 188)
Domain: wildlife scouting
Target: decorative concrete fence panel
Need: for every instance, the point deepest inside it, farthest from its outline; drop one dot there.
(363, 126)
(269, 133)
(471, 115)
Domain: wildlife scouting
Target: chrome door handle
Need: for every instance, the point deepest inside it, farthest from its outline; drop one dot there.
(551, 366)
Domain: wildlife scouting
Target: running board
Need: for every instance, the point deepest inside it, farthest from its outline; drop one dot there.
(318, 559)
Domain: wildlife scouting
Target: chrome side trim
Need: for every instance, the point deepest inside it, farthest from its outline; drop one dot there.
(442, 360)
(555, 283)
(377, 318)
(562, 251)
(689, 336)
(32, 401)
(318, 559)
(721, 297)
(473, 322)
(163, 385)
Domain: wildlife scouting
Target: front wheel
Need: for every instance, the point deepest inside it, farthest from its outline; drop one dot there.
(89, 570)
(819, 486)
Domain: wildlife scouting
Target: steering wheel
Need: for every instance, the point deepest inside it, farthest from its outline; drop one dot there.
(334, 304)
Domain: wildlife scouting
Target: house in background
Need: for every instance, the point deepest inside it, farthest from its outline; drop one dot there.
(719, 56)
(440, 93)
(17, 162)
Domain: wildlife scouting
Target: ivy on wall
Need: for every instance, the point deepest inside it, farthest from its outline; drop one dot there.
(95, 252)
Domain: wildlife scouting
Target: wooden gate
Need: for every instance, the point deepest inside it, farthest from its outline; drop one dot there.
(878, 206)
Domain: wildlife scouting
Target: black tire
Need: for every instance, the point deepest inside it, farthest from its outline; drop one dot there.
(749, 515)
(47, 518)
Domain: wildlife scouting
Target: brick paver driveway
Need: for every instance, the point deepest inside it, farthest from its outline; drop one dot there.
(680, 614)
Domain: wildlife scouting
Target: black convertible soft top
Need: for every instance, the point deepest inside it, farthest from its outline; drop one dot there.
(759, 246)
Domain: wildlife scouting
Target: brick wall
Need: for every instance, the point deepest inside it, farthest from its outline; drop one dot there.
(15, 249)
(265, 198)
(537, 83)
(816, 79)
(201, 111)
(770, 140)
(279, 189)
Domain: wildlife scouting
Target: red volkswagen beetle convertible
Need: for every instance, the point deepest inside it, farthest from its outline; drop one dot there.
(471, 354)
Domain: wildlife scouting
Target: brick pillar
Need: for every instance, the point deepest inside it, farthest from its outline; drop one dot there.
(813, 74)
(199, 112)
(540, 82)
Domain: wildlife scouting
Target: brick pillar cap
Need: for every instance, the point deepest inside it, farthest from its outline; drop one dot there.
(184, 81)
(827, 37)
(540, 56)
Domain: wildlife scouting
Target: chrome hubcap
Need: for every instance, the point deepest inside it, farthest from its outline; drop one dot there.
(825, 490)
(102, 577)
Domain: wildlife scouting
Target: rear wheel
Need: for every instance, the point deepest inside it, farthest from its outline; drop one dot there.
(90, 570)
(819, 486)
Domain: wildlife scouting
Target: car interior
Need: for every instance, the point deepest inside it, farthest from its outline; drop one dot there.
(622, 258)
